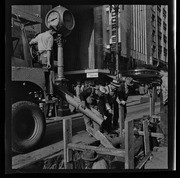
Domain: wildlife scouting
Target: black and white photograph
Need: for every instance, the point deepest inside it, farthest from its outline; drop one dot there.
(87, 87)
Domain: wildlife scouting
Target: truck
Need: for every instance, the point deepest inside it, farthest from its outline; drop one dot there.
(35, 94)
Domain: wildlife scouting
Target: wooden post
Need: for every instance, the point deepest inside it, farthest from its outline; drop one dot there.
(150, 103)
(129, 144)
(146, 137)
(153, 100)
(121, 118)
(67, 137)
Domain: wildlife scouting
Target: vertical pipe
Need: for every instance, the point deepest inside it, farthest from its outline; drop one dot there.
(67, 138)
(121, 118)
(117, 39)
(136, 48)
(134, 28)
(98, 37)
(139, 29)
(141, 23)
(129, 144)
(143, 29)
(145, 36)
(60, 58)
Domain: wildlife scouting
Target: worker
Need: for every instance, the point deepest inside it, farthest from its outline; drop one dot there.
(44, 42)
(111, 106)
(93, 161)
(78, 89)
(164, 105)
(88, 99)
(104, 108)
(122, 96)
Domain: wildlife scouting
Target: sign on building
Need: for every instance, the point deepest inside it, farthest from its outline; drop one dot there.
(112, 24)
(92, 75)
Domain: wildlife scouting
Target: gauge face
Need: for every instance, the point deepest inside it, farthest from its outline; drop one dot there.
(53, 19)
(68, 20)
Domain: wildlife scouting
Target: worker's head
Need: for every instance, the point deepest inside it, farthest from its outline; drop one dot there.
(119, 77)
(96, 90)
(114, 85)
(89, 156)
(52, 31)
(163, 69)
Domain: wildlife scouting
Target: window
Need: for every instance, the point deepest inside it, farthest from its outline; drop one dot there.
(159, 34)
(165, 39)
(159, 55)
(153, 36)
(153, 20)
(153, 51)
(159, 21)
(159, 8)
(122, 7)
(165, 52)
(159, 49)
(164, 26)
(164, 13)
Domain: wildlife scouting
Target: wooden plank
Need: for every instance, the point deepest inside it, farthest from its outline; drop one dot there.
(99, 136)
(144, 160)
(100, 150)
(67, 138)
(23, 160)
(58, 118)
(155, 116)
(129, 144)
(146, 137)
(150, 104)
(152, 134)
(121, 118)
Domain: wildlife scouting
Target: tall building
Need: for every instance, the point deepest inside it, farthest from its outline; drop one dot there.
(157, 16)
(142, 34)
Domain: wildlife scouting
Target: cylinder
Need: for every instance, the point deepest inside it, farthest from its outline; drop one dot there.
(71, 99)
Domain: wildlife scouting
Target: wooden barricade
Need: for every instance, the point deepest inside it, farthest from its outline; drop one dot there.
(126, 154)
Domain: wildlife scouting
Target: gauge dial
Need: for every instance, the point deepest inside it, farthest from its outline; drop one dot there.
(53, 19)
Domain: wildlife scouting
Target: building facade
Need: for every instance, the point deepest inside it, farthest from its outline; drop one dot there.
(158, 34)
(142, 35)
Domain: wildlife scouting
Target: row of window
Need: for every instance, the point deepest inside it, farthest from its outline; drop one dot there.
(159, 10)
(159, 51)
(153, 22)
(159, 36)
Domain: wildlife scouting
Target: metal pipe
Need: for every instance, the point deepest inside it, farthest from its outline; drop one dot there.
(117, 39)
(71, 99)
(60, 58)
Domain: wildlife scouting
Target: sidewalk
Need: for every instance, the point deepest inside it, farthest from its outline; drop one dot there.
(137, 99)
(159, 158)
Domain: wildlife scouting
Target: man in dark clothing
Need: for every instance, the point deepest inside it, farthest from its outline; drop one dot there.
(122, 96)
(164, 102)
(112, 107)
(94, 99)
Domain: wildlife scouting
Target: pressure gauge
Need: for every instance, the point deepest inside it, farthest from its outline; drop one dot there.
(53, 19)
(61, 20)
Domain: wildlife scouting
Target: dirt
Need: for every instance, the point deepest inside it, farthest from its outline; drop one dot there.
(159, 159)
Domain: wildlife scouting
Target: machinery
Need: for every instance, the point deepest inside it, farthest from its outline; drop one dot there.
(32, 96)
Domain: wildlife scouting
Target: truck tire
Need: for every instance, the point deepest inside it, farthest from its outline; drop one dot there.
(28, 126)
